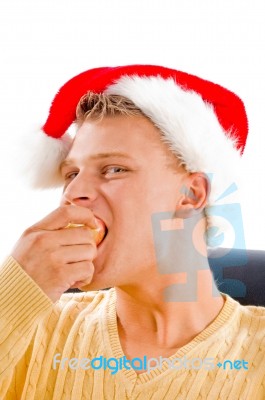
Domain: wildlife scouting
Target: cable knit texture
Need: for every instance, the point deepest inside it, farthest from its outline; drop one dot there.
(83, 325)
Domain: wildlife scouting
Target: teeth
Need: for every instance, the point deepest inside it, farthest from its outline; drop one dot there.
(98, 233)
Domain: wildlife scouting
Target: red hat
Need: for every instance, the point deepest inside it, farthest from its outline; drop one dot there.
(204, 124)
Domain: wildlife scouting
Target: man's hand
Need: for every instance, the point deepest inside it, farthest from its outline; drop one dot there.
(57, 258)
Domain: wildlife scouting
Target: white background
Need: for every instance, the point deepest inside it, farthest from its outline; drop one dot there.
(46, 42)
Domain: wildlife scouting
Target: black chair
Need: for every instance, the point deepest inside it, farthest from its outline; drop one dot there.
(239, 273)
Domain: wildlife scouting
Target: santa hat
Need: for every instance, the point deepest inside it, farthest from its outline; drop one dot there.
(204, 124)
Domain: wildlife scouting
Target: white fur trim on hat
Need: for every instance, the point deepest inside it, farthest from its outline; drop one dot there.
(43, 157)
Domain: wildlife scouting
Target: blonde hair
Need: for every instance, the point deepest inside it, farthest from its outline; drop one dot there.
(99, 105)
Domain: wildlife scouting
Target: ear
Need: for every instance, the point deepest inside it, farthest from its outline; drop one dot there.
(194, 195)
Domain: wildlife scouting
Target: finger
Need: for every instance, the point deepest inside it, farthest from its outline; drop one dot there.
(64, 215)
(98, 233)
(80, 272)
(68, 237)
(74, 254)
(85, 281)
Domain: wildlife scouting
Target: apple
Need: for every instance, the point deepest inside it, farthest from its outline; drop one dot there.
(98, 233)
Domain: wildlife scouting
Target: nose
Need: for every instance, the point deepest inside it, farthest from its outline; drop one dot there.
(81, 191)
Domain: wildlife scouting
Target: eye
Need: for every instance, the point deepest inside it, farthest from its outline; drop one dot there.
(114, 170)
(70, 176)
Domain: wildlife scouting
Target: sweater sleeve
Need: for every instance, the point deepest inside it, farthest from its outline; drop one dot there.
(22, 305)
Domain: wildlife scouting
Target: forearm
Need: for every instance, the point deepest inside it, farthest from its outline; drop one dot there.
(22, 305)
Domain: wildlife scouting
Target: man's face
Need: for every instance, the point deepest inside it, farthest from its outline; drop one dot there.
(120, 169)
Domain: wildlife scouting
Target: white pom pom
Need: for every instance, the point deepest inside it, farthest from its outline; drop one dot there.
(41, 159)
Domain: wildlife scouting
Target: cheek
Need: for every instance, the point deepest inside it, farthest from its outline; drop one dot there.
(134, 227)
(113, 191)
(163, 197)
(62, 201)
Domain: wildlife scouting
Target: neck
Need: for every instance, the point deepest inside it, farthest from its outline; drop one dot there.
(166, 310)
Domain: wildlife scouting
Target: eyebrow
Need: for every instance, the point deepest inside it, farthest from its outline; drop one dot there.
(97, 156)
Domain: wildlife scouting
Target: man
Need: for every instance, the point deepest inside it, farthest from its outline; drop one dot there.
(137, 182)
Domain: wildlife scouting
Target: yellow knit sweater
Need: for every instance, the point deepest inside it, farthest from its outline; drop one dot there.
(80, 327)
